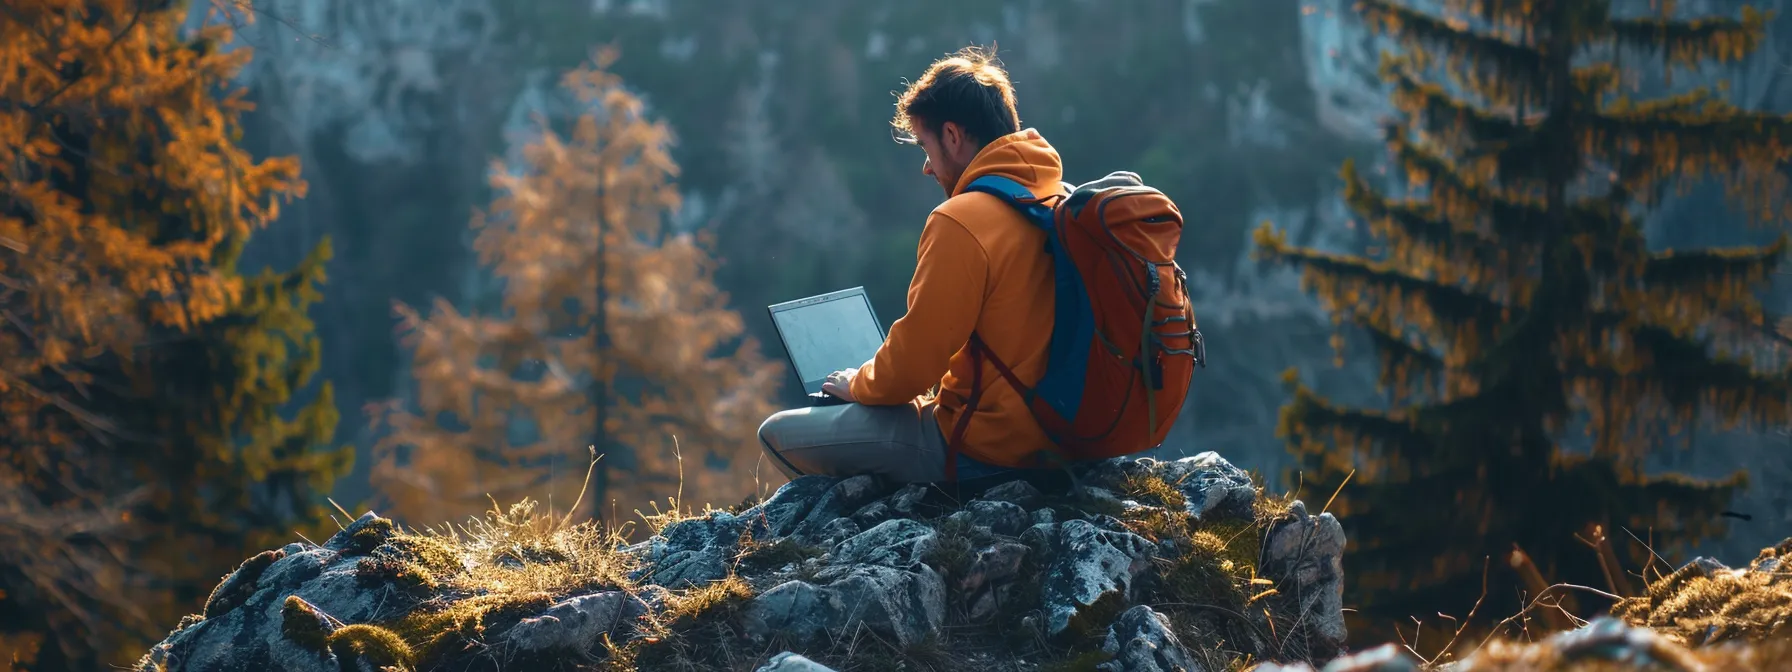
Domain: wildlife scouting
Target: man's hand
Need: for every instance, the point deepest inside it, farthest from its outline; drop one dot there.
(839, 384)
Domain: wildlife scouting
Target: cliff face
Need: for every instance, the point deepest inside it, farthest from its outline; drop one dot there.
(1146, 566)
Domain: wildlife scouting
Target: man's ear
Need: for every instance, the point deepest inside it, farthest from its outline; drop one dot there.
(951, 136)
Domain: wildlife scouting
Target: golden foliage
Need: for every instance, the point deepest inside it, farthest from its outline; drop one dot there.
(505, 403)
(135, 362)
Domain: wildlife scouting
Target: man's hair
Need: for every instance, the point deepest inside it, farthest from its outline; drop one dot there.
(968, 88)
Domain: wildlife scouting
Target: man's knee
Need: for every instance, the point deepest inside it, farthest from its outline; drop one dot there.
(772, 443)
(768, 430)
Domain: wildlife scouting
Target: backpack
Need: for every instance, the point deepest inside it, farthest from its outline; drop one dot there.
(1124, 343)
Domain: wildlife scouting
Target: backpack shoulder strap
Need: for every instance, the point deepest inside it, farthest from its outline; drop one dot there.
(1036, 209)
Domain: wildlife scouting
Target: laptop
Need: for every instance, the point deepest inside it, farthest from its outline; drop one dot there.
(827, 333)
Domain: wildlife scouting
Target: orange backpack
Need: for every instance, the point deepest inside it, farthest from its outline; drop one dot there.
(1124, 341)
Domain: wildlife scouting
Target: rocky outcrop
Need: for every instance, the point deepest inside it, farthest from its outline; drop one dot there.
(1145, 565)
(1703, 616)
(1604, 644)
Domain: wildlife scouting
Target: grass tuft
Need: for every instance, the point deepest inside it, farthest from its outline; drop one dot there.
(380, 648)
(1697, 608)
(756, 556)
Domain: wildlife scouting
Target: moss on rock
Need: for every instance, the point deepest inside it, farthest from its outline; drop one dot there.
(380, 648)
(305, 626)
(236, 588)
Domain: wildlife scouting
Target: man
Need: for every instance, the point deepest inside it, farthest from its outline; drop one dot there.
(981, 267)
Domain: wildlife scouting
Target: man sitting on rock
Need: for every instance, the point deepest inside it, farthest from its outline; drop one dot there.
(982, 267)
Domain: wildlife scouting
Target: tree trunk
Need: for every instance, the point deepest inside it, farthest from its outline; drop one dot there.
(599, 380)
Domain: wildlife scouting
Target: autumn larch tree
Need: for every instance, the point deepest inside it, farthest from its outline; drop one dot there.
(146, 386)
(1514, 301)
(611, 334)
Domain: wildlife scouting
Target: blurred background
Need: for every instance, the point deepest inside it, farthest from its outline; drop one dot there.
(1241, 110)
(407, 115)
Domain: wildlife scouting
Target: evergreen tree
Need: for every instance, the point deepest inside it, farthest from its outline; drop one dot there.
(143, 379)
(611, 334)
(1513, 300)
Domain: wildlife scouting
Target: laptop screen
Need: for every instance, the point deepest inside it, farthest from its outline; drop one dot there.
(827, 333)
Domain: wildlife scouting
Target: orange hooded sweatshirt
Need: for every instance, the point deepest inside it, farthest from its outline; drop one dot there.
(980, 266)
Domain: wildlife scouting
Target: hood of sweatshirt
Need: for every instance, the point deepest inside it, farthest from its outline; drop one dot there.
(1023, 156)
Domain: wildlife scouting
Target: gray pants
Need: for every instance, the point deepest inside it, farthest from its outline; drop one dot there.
(902, 444)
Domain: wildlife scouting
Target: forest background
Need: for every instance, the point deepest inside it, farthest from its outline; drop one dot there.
(417, 129)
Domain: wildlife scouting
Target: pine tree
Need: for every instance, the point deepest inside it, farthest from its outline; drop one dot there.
(145, 384)
(1513, 300)
(507, 404)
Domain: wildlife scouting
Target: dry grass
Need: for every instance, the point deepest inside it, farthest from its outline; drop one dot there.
(1510, 656)
(1698, 609)
(1728, 619)
(470, 579)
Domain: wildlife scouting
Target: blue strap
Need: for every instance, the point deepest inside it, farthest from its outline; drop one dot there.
(1016, 195)
(1073, 326)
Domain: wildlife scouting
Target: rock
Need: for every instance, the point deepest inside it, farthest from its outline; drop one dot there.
(1611, 640)
(907, 605)
(1772, 560)
(839, 501)
(1019, 493)
(655, 597)
(1384, 658)
(1089, 564)
(897, 544)
(839, 529)
(790, 662)
(361, 536)
(1103, 497)
(871, 514)
(1710, 566)
(1303, 554)
(876, 578)
(797, 611)
(1003, 518)
(697, 551)
(907, 501)
(580, 623)
(994, 564)
(833, 559)
(1211, 487)
(904, 503)
(791, 504)
(989, 574)
(1141, 641)
(1605, 644)
(322, 579)
(240, 585)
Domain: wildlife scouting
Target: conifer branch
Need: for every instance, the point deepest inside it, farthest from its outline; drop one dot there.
(1502, 12)
(1424, 234)
(1422, 301)
(1405, 365)
(1437, 110)
(1501, 69)
(1711, 272)
(1683, 374)
(1691, 42)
